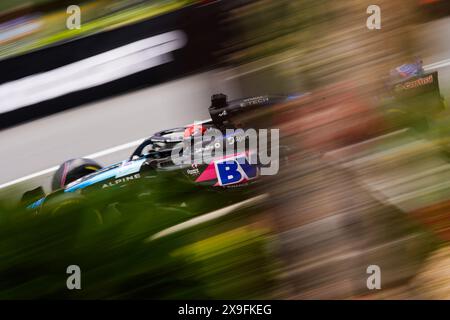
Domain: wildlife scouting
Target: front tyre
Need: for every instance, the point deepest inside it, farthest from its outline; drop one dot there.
(72, 170)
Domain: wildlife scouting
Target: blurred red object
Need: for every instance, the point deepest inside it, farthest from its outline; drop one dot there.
(330, 118)
(425, 2)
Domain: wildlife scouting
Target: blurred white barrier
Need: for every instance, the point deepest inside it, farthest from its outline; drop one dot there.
(94, 71)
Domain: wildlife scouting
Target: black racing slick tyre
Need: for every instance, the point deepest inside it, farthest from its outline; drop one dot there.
(72, 170)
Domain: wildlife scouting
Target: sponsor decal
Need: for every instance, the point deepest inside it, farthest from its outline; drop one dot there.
(234, 170)
(223, 113)
(254, 101)
(414, 83)
(229, 171)
(193, 172)
(121, 180)
(129, 167)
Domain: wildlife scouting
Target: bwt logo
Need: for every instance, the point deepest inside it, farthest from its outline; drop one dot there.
(237, 170)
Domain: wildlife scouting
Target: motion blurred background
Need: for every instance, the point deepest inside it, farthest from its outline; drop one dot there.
(366, 182)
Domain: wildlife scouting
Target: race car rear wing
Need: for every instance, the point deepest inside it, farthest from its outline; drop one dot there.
(421, 91)
(412, 86)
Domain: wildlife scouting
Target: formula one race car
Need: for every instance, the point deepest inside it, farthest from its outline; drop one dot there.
(152, 174)
(170, 167)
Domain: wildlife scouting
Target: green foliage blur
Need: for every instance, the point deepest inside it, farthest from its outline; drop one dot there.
(226, 258)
